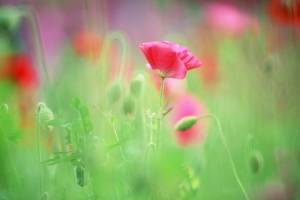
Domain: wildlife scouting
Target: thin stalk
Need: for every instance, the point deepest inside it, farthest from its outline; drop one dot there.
(31, 16)
(159, 110)
(86, 164)
(123, 49)
(150, 144)
(118, 140)
(227, 149)
(39, 154)
(85, 167)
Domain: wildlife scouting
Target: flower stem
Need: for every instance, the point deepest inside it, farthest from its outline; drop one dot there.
(30, 14)
(159, 110)
(118, 141)
(39, 154)
(123, 50)
(226, 146)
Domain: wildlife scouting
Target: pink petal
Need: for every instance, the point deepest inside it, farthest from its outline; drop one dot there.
(163, 60)
(190, 61)
(176, 47)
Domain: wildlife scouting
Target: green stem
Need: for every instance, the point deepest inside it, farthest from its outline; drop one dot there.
(30, 14)
(227, 149)
(39, 154)
(118, 141)
(159, 111)
(123, 49)
(86, 164)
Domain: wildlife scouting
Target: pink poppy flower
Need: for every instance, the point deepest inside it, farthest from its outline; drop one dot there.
(169, 60)
(188, 106)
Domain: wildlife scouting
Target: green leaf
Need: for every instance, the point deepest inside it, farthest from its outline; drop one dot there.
(61, 152)
(68, 128)
(79, 174)
(88, 125)
(50, 160)
(116, 144)
(68, 158)
(75, 163)
(54, 122)
(76, 129)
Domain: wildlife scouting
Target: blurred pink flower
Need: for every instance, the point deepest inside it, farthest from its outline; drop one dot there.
(187, 106)
(229, 19)
(169, 60)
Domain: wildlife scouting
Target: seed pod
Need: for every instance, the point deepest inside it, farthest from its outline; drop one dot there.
(185, 124)
(137, 85)
(45, 115)
(256, 162)
(113, 93)
(129, 104)
(79, 174)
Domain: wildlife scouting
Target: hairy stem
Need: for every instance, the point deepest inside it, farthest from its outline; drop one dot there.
(39, 154)
(118, 141)
(31, 16)
(227, 149)
(159, 111)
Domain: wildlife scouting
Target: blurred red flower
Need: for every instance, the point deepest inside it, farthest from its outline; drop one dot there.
(210, 71)
(169, 60)
(285, 12)
(188, 106)
(20, 70)
(87, 44)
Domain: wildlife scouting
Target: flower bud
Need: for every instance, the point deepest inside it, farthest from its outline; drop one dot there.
(113, 93)
(45, 115)
(79, 174)
(129, 104)
(255, 161)
(137, 85)
(4, 109)
(45, 196)
(185, 124)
